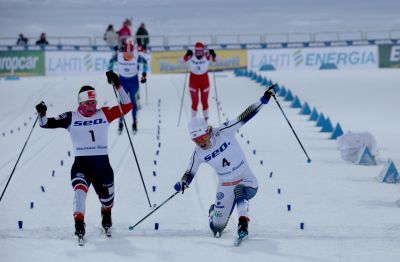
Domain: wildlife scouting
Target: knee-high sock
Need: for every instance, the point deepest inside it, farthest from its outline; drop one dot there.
(243, 208)
(79, 201)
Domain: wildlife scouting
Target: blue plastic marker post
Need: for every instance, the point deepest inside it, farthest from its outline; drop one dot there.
(154, 188)
(289, 208)
(302, 225)
(69, 153)
(11, 131)
(156, 226)
(42, 188)
(241, 135)
(254, 151)
(159, 144)
(270, 174)
(159, 121)
(261, 162)
(52, 173)
(154, 173)
(4, 134)
(31, 205)
(62, 162)
(24, 123)
(155, 162)
(157, 152)
(279, 190)
(20, 223)
(248, 141)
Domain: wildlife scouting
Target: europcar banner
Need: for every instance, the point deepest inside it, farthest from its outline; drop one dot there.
(60, 63)
(347, 57)
(389, 56)
(170, 62)
(22, 63)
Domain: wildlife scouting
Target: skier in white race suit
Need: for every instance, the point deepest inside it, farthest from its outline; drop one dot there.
(219, 148)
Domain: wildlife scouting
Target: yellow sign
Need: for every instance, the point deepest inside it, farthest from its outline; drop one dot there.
(170, 62)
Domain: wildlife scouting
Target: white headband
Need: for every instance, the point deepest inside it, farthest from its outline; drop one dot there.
(87, 95)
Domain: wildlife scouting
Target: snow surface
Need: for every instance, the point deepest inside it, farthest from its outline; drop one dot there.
(348, 215)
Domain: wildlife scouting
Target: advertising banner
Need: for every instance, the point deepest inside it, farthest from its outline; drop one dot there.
(389, 56)
(22, 63)
(170, 62)
(86, 63)
(348, 57)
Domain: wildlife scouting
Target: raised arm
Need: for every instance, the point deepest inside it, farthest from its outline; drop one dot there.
(249, 113)
(114, 112)
(61, 121)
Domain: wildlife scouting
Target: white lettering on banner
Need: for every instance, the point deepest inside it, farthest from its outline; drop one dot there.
(350, 57)
(64, 64)
(18, 63)
(279, 60)
(58, 63)
(395, 54)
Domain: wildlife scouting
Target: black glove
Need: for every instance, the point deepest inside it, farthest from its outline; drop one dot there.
(267, 95)
(112, 78)
(189, 53)
(41, 108)
(143, 79)
(212, 53)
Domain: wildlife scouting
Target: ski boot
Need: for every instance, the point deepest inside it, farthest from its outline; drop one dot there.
(134, 126)
(243, 226)
(79, 224)
(120, 127)
(106, 221)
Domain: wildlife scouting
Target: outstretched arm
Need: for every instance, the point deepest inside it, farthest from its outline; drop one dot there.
(248, 114)
(190, 172)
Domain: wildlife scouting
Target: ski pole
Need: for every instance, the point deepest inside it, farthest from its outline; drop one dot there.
(183, 95)
(19, 157)
(147, 95)
(165, 201)
(287, 120)
(216, 95)
(130, 141)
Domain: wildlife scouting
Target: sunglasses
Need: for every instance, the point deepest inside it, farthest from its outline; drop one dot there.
(202, 139)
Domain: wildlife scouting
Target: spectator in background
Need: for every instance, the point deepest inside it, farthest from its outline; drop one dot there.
(22, 40)
(124, 32)
(110, 36)
(142, 36)
(42, 40)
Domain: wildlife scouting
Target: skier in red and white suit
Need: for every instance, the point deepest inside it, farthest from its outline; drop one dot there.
(198, 79)
(88, 128)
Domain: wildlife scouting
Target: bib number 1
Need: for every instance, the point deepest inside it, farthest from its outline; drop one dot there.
(92, 133)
